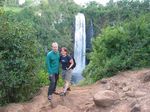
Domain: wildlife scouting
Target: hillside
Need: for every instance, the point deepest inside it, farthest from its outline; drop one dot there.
(126, 92)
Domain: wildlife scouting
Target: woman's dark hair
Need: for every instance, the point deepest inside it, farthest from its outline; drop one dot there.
(65, 49)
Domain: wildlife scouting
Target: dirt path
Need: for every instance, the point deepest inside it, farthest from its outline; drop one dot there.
(128, 85)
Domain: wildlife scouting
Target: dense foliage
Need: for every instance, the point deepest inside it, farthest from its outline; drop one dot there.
(18, 46)
(121, 31)
(122, 47)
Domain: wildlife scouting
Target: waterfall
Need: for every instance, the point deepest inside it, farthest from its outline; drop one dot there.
(79, 46)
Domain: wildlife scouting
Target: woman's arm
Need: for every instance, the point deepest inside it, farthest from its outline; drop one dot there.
(71, 64)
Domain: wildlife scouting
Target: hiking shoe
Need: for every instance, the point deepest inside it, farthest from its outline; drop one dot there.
(50, 97)
(68, 89)
(62, 94)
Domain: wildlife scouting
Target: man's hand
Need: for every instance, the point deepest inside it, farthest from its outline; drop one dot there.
(49, 76)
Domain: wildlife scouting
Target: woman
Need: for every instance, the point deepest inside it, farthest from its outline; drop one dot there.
(67, 63)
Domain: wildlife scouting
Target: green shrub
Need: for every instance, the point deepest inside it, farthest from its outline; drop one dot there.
(18, 58)
(119, 48)
(60, 82)
(42, 78)
(86, 81)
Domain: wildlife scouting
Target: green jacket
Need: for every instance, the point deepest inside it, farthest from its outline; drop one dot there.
(52, 62)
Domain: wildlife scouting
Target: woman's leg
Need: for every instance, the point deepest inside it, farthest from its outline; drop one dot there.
(67, 83)
(67, 78)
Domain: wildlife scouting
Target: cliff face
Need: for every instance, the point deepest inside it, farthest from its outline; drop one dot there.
(125, 92)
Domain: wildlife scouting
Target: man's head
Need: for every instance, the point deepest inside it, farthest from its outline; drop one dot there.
(55, 46)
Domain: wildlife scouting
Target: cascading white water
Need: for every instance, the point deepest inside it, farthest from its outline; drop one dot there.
(79, 46)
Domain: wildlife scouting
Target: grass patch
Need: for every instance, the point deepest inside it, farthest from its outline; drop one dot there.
(86, 81)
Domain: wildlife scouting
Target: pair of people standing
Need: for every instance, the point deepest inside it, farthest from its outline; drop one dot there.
(53, 60)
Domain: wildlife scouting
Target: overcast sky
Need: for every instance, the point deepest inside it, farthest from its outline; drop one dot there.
(82, 2)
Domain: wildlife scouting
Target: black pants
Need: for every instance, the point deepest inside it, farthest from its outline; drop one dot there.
(53, 83)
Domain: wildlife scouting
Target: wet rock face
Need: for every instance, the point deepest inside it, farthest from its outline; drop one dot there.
(105, 98)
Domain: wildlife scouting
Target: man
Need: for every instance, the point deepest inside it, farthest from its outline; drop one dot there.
(52, 61)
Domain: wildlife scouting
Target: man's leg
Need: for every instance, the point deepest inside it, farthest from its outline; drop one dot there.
(51, 86)
(56, 80)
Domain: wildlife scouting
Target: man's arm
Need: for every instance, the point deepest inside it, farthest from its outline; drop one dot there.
(48, 64)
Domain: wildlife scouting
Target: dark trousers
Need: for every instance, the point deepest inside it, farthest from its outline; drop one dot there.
(53, 83)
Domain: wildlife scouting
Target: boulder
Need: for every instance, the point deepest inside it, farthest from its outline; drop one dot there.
(105, 98)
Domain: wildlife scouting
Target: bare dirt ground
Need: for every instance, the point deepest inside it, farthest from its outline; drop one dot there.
(132, 88)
